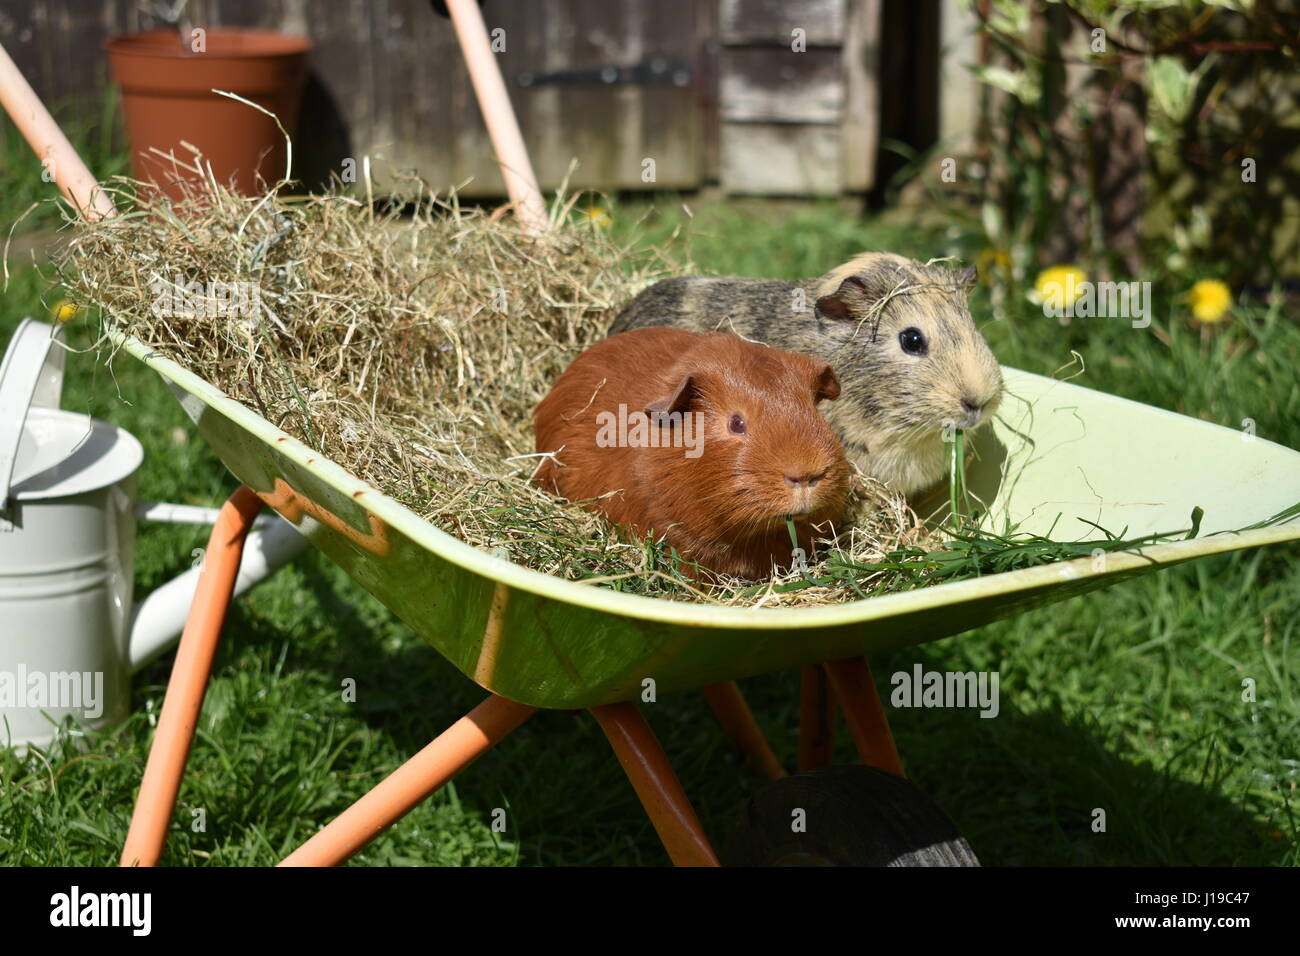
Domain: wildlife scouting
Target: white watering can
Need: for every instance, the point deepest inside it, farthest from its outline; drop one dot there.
(69, 635)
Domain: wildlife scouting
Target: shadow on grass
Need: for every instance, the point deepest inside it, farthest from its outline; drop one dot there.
(1026, 788)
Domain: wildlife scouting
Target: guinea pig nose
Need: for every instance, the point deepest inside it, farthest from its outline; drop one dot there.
(971, 405)
(809, 479)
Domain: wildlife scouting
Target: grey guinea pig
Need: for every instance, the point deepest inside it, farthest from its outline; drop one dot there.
(898, 333)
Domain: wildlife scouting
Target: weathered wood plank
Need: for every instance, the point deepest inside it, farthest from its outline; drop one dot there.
(263, 14)
(773, 84)
(671, 130)
(771, 21)
(958, 88)
(785, 159)
(608, 130)
(859, 121)
(706, 89)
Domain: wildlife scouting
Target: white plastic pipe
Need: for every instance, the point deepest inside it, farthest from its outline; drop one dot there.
(48, 142)
(163, 512)
(159, 618)
(498, 114)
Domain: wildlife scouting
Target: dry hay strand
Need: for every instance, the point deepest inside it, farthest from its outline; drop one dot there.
(411, 348)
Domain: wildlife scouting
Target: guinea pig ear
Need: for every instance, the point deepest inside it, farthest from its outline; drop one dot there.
(678, 400)
(826, 383)
(968, 277)
(846, 302)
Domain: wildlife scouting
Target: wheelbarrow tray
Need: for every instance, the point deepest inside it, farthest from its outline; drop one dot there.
(1058, 453)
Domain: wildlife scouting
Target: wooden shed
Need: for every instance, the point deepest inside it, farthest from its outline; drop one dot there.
(756, 96)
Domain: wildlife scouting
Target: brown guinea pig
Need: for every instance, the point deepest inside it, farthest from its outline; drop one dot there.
(707, 440)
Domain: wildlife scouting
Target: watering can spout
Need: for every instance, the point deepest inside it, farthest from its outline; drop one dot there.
(159, 619)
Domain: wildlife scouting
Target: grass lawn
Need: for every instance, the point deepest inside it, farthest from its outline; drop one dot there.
(1127, 700)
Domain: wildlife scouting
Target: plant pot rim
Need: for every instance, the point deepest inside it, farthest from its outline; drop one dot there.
(165, 44)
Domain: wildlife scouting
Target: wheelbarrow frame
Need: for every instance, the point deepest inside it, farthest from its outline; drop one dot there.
(638, 750)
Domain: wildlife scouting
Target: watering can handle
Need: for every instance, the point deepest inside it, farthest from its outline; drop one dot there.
(30, 375)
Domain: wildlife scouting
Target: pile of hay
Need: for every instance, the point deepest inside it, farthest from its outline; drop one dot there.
(410, 348)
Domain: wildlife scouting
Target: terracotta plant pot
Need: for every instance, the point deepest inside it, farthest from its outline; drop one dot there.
(167, 97)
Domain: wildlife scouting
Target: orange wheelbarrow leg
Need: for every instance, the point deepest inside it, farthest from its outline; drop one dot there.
(399, 793)
(863, 712)
(816, 720)
(189, 680)
(652, 777)
(738, 723)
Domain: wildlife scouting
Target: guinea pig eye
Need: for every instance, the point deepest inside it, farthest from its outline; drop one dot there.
(913, 341)
(736, 425)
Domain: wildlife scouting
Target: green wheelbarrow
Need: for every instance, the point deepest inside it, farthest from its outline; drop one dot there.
(1060, 458)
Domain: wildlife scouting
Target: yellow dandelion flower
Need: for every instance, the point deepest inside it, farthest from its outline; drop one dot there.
(65, 311)
(992, 258)
(1210, 300)
(598, 216)
(1060, 286)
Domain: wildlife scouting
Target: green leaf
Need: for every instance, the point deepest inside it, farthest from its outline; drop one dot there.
(1171, 87)
(1018, 83)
